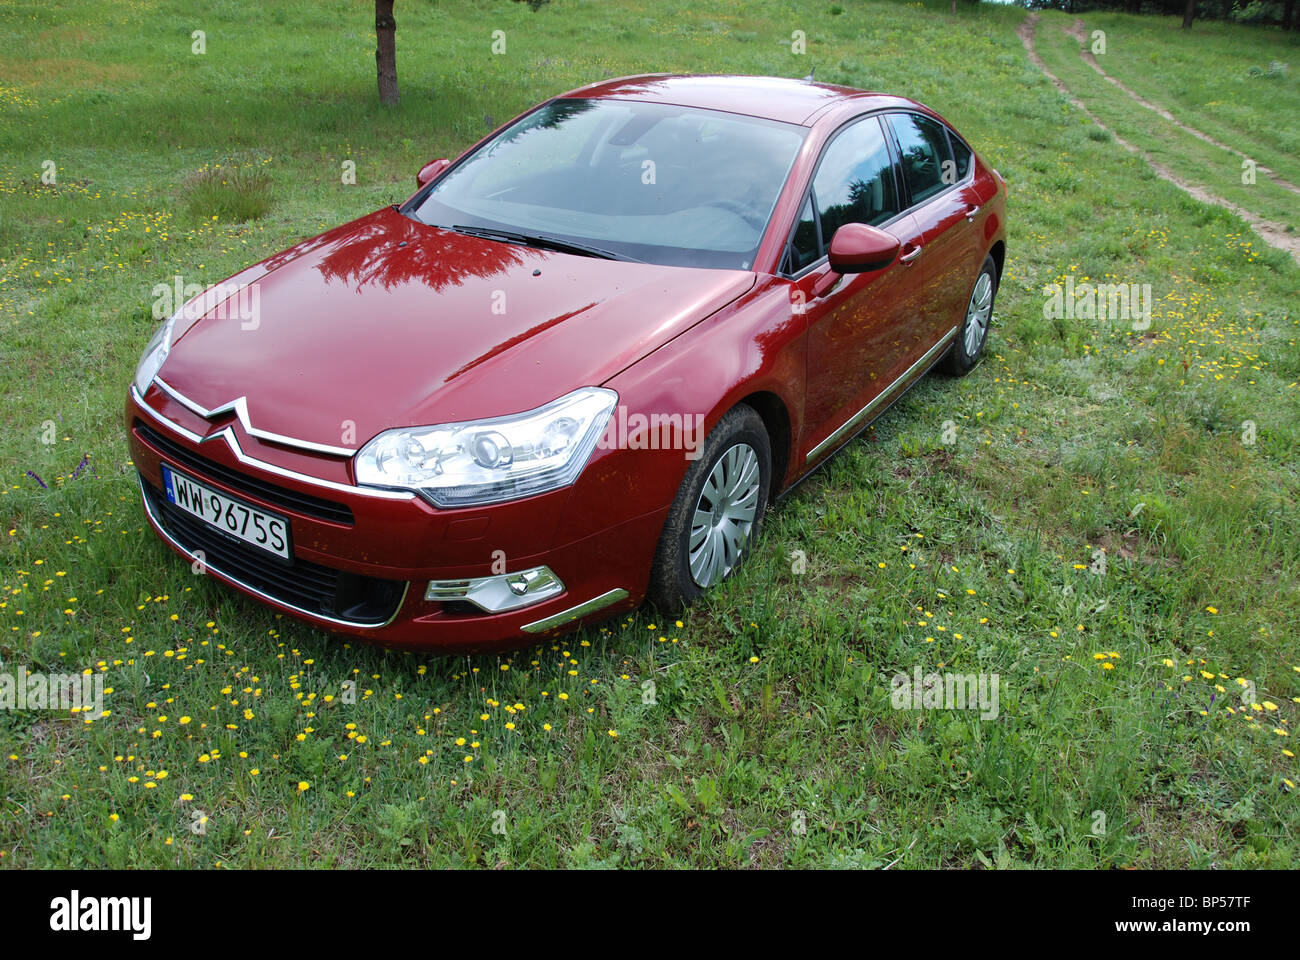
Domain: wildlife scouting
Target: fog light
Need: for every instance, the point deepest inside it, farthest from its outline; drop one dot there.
(501, 593)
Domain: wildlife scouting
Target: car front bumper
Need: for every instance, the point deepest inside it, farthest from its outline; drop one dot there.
(363, 559)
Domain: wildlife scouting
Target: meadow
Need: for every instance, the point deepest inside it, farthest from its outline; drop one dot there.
(1103, 516)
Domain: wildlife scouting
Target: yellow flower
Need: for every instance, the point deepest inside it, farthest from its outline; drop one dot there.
(303, 786)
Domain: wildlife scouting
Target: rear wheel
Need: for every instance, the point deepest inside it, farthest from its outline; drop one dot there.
(966, 349)
(717, 513)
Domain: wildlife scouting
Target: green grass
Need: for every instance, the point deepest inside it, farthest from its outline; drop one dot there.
(232, 192)
(770, 701)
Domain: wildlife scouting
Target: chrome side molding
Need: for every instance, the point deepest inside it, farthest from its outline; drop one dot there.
(882, 396)
(574, 613)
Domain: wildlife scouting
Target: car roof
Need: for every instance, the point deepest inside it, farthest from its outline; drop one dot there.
(777, 98)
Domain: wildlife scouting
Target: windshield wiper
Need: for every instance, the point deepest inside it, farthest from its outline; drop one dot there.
(540, 240)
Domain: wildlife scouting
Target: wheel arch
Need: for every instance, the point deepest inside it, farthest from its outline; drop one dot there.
(999, 254)
(772, 411)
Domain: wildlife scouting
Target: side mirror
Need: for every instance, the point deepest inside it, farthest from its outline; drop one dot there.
(431, 170)
(858, 248)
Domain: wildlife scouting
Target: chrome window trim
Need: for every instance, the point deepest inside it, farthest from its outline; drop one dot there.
(239, 406)
(233, 442)
(881, 397)
(274, 601)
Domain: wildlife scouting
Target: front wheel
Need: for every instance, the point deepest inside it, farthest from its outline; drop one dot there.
(966, 349)
(717, 513)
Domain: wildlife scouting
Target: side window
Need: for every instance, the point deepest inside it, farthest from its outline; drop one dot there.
(961, 155)
(923, 149)
(805, 247)
(855, 181)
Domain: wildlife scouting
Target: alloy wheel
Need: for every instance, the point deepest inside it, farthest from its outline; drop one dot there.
(723, 520)
(978, 313)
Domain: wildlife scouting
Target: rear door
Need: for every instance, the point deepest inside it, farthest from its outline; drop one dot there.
(940, 188)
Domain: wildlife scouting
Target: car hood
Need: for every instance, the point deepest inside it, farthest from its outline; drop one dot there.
(386, 322)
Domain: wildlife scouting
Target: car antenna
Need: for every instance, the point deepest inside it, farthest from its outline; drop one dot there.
(810, 73)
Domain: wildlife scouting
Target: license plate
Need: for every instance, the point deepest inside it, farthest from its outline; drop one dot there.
(243, 521)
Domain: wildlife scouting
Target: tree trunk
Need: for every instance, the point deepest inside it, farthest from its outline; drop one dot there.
(386, 51)
(1189, 13)
(1287, 14)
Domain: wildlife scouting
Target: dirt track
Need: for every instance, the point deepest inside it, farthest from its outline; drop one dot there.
(1274, 234)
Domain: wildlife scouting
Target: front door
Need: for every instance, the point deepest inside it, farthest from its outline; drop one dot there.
(863, 328)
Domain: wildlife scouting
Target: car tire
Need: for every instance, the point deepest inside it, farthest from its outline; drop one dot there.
(974, 331)
(682, 571)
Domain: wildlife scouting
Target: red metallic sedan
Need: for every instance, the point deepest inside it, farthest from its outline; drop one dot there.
(574, 368)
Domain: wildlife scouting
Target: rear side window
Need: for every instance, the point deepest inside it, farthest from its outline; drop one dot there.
(961, 155)
(923, 152)
(855, 180)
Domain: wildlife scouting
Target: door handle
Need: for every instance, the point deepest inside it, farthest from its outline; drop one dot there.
(909, 257)
(972, 212)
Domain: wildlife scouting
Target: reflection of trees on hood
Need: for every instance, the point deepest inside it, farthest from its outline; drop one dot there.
(370, 251)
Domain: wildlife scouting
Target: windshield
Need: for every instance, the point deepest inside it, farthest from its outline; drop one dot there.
(642, 181)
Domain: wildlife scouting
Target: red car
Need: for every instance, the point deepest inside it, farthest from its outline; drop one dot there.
(574, 368)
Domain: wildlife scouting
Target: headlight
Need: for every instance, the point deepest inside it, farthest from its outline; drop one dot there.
(155, 353)
(486, 461)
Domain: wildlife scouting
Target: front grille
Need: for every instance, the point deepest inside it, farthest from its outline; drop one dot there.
(310, 587)
(303, 503)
